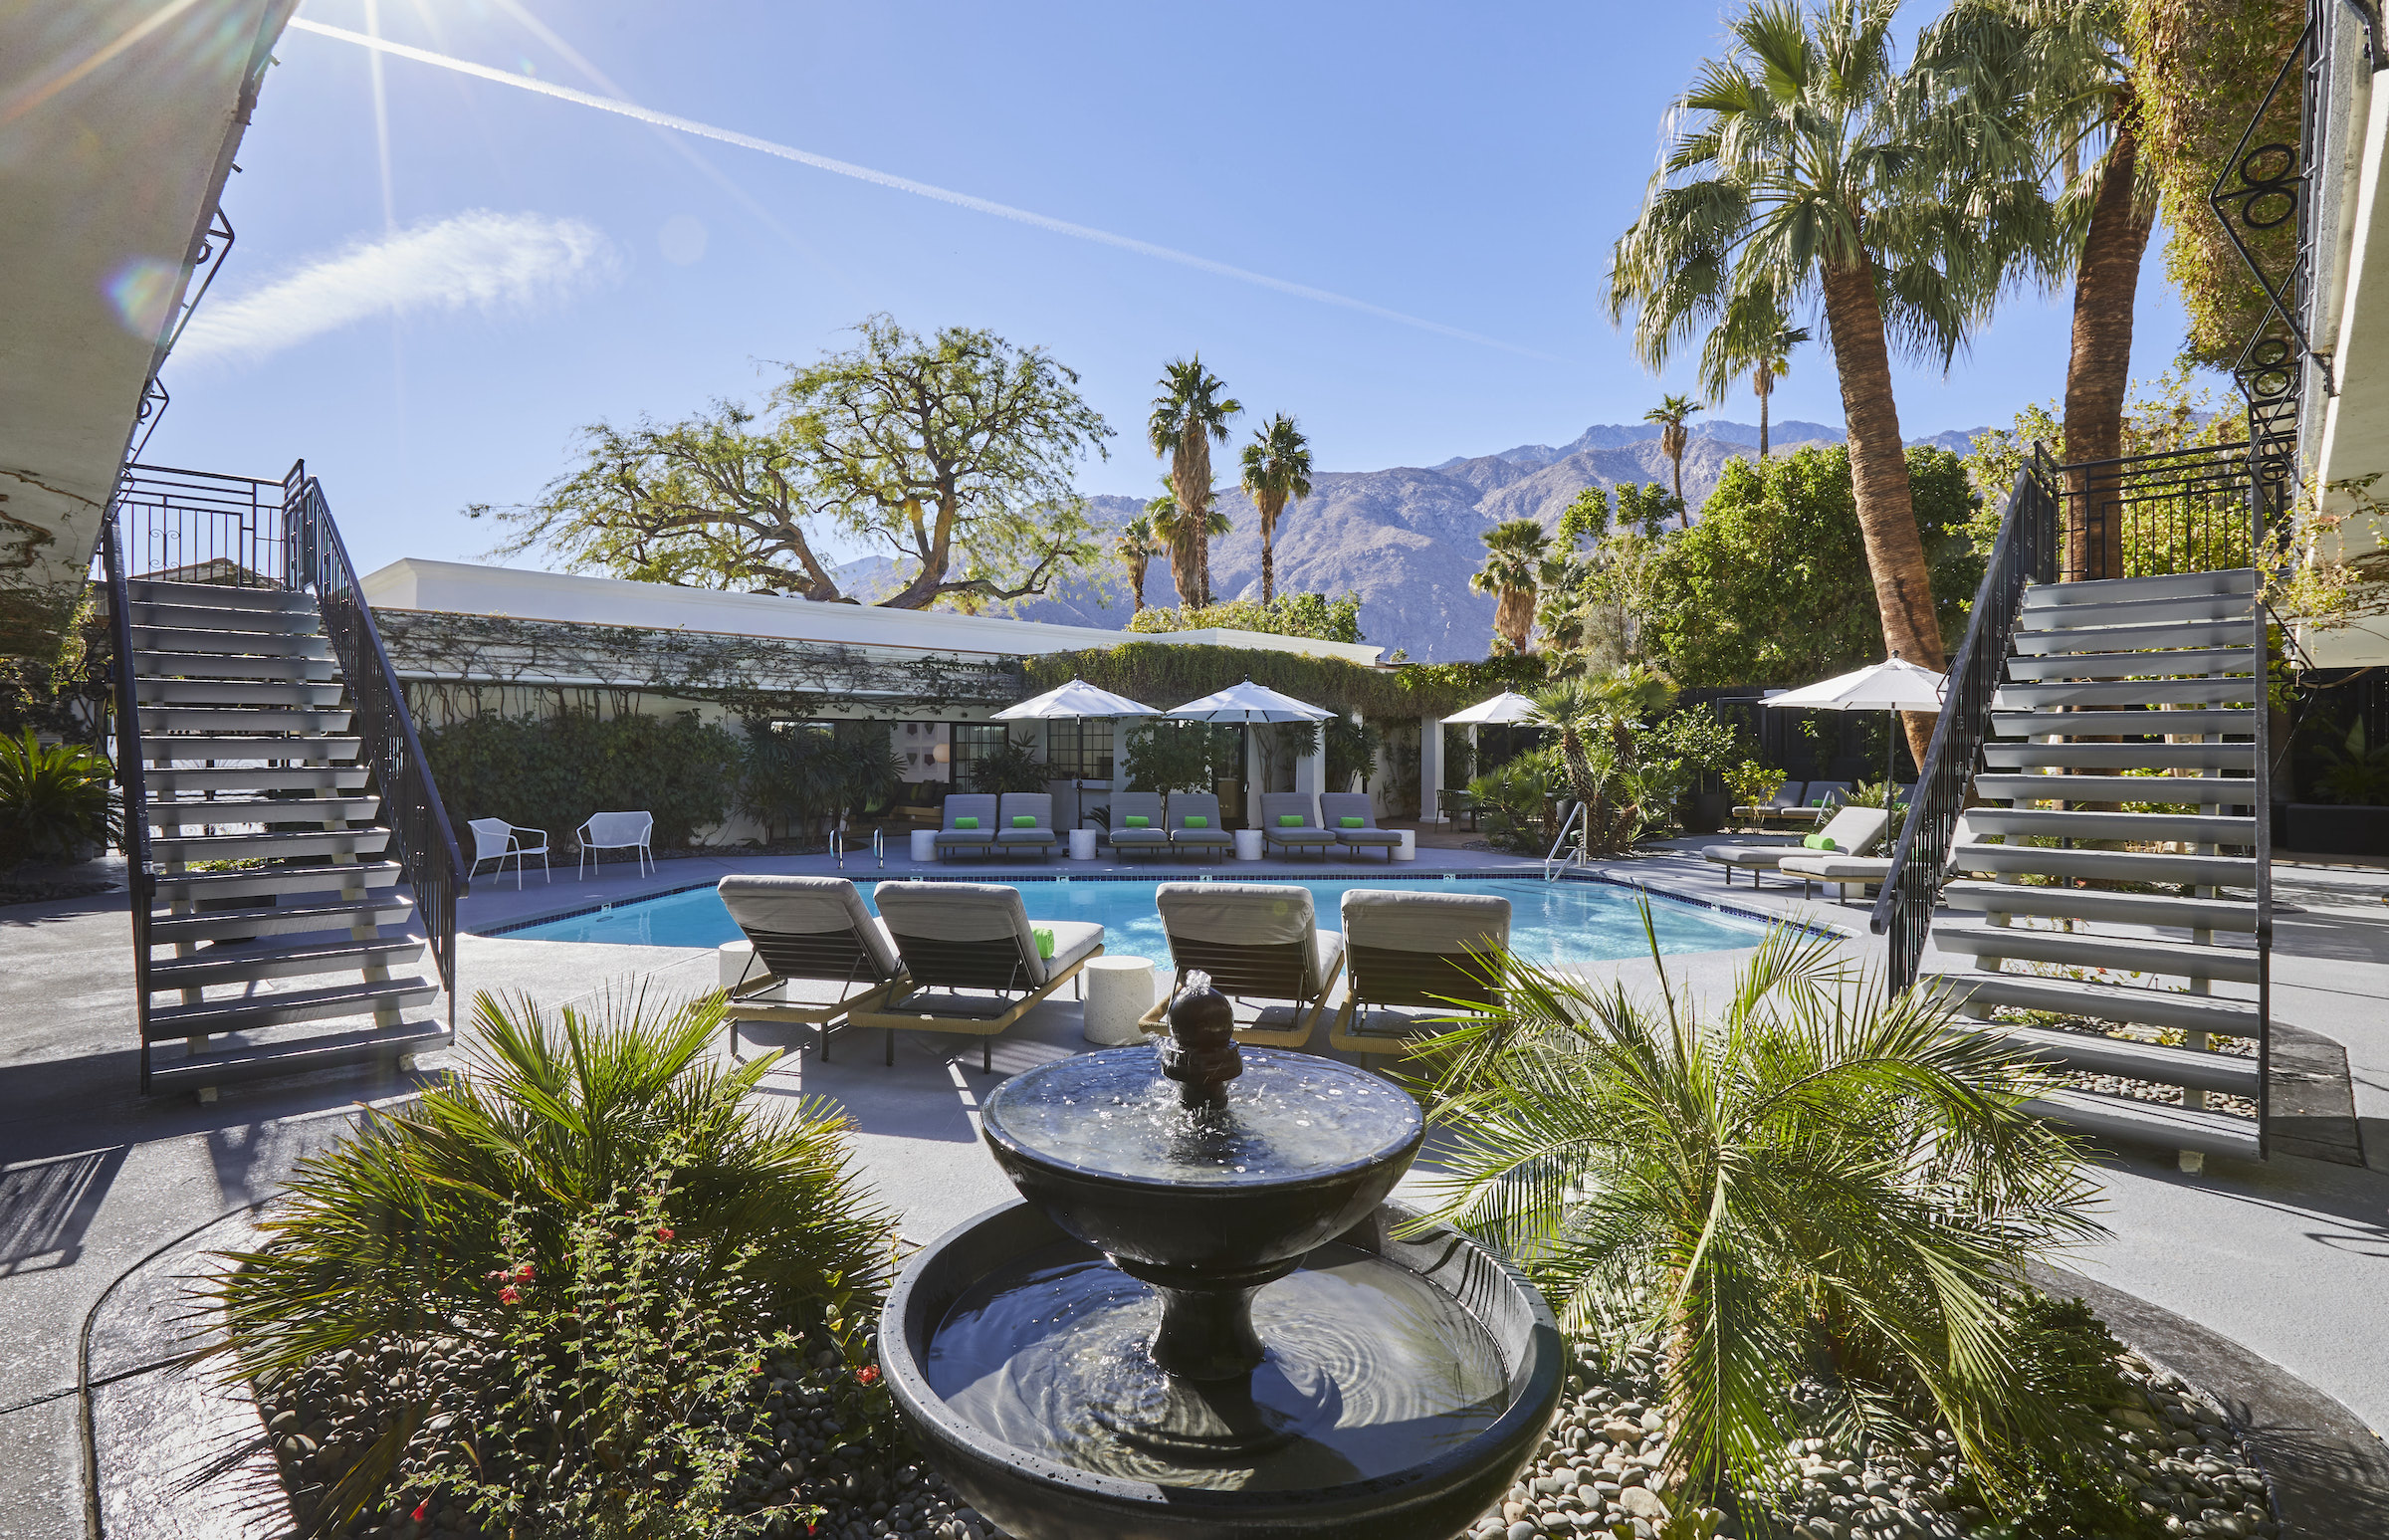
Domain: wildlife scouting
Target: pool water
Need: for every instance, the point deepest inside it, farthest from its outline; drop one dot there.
(1550, 922)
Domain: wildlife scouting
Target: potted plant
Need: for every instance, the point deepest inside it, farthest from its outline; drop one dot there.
(1702, 746)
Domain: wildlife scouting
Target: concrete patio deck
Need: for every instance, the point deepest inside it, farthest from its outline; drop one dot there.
(2286, 1258)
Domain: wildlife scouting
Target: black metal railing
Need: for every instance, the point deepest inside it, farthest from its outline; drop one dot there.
(317, 560)
(202, 527)
(2144, 515)
(2026, 552)
(132, 783)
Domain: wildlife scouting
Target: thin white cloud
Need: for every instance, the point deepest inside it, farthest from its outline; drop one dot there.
(478, 260)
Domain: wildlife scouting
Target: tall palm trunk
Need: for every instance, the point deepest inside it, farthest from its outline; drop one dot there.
(1191, 484)
(1674, 443)
(1762, 385)
(1878, 464)
(1515, 617)
(1268, 567)
(2099, 368)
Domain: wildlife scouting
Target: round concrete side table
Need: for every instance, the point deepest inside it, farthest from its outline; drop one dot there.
(1407, 850)
(1248, 844)
(925, 844)
(1119, 990)
(1082, 846)
(731, 961)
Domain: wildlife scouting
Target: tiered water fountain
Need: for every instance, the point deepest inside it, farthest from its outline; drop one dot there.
(1199, 1321)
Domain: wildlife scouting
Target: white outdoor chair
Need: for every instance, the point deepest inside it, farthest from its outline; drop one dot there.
(617, 831)
(495, 839)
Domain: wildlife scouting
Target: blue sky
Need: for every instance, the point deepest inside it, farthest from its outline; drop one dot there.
(539, 264)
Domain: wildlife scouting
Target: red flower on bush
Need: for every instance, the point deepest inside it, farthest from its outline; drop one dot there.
(422, 1510)
(509, 1296)
(663, 1232)
(867, 1375)
(524, 1274)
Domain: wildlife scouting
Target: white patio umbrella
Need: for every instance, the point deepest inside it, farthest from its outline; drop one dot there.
(1248, 703)
(1075, 699)
(1894, 685)
(1504, 709)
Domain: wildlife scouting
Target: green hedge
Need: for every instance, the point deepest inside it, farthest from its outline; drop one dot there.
(553, 773)
(1165, 675)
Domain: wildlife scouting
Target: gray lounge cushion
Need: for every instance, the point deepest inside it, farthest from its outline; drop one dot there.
(1032, 805)
(808, 905)
(1837, 868)
(1250, 914)
(1763, 859)
(1139, 804)
(1276, 804)
(1336, 806)
(1447, 923)
(1196, 805)
(969, 805)
(982, 911)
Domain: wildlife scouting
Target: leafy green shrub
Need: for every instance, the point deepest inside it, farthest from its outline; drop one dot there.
(1163, 755)
(1010, 765)
(552, 772)
(2354, 772)
(580, 1249)
(1752, 783)
(1701, 744)
(54, 803)
(793, 776)
(1816, 1173)
(1351, 751)
(1314, 615)
(1514, 799)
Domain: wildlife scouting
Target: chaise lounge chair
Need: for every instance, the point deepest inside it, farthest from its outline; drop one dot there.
(1303, 833)
(1013, 837)
(1346, 815)
(1258, 942)
(1842, 872)
(970, 825)
(1785, 803)
(1824, 798)
(1854, 831)
(1194, 824)
(1407, 957)
(1125, 836)
(958, 936)
(806, 931)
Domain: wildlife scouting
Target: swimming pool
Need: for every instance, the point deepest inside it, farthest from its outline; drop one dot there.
(1550, 922)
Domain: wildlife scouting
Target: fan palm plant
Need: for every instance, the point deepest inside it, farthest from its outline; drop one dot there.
(1597, 721)
(1513, 569)
(1189, 414)
(1675, 439)
(1136, 547)
(1814, 1176)
(1808, 166)
(1177, 536)
(1277, 468)
(54, 802)
(1764, 352)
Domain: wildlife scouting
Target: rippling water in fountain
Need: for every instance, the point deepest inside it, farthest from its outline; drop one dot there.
(1370, 1370)
(1110, 1113)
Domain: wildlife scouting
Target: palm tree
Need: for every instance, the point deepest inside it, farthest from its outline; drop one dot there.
(1598, 722)
(2067, 63)
(1807, 167)
(1177, 535)
(1278, 468)
(1188, 417)
(1675, 439)
(1811, 1173)
(1135, 546)
(1768, 362)
(1514, 550)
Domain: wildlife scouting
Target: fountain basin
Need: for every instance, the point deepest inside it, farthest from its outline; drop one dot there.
(1417, 1469)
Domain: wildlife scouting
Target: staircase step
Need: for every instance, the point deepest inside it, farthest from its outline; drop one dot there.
(258, 777)
(282, 920)
(2207, 791)
(2138, 755)
(280, 1007)
(307, 749)
(2088, 949)
(246, 847)
(234, 622)
(238, 691)
(158, 720)
(2212, 690)
(2195, 1068)
(2130, 724)
(2122, 638)
(258, 882)
(2196, 828)
(2133, 665)
(219, 665)
(2126, 1120)
(217, 965)
(149, 590)
(306, 1056)
(202, 641)
(2136, 909)
(2103, 1002)
(2169, 585)
(174, 814)
(2138, 613)
(2211, 871)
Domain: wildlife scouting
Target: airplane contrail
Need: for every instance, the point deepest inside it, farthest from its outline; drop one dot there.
(903, 185)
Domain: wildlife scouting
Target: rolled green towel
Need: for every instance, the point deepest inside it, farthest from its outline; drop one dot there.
(1137, 821)
(965, 823)
(1289, 821)
(1198, 821)
(1044, 941)
(1352, 823)
(1024, 820)
(1820, 842)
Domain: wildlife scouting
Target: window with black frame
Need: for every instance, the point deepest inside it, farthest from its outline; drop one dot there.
(972, 742)
(1080, 747)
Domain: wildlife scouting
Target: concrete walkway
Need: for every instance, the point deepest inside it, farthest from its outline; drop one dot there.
(2289, 1258)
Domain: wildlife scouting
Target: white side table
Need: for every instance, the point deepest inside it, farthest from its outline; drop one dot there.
(1119, 990)
(1082, 848)
(925, 844)
(1407, 850)
(1248, 844)
(732, 958)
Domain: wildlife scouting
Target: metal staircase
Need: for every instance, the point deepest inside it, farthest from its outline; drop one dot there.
(2087, 856)
(275, 796)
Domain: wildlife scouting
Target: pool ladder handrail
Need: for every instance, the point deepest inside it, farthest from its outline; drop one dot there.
(1555, 863)
(879, 845)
